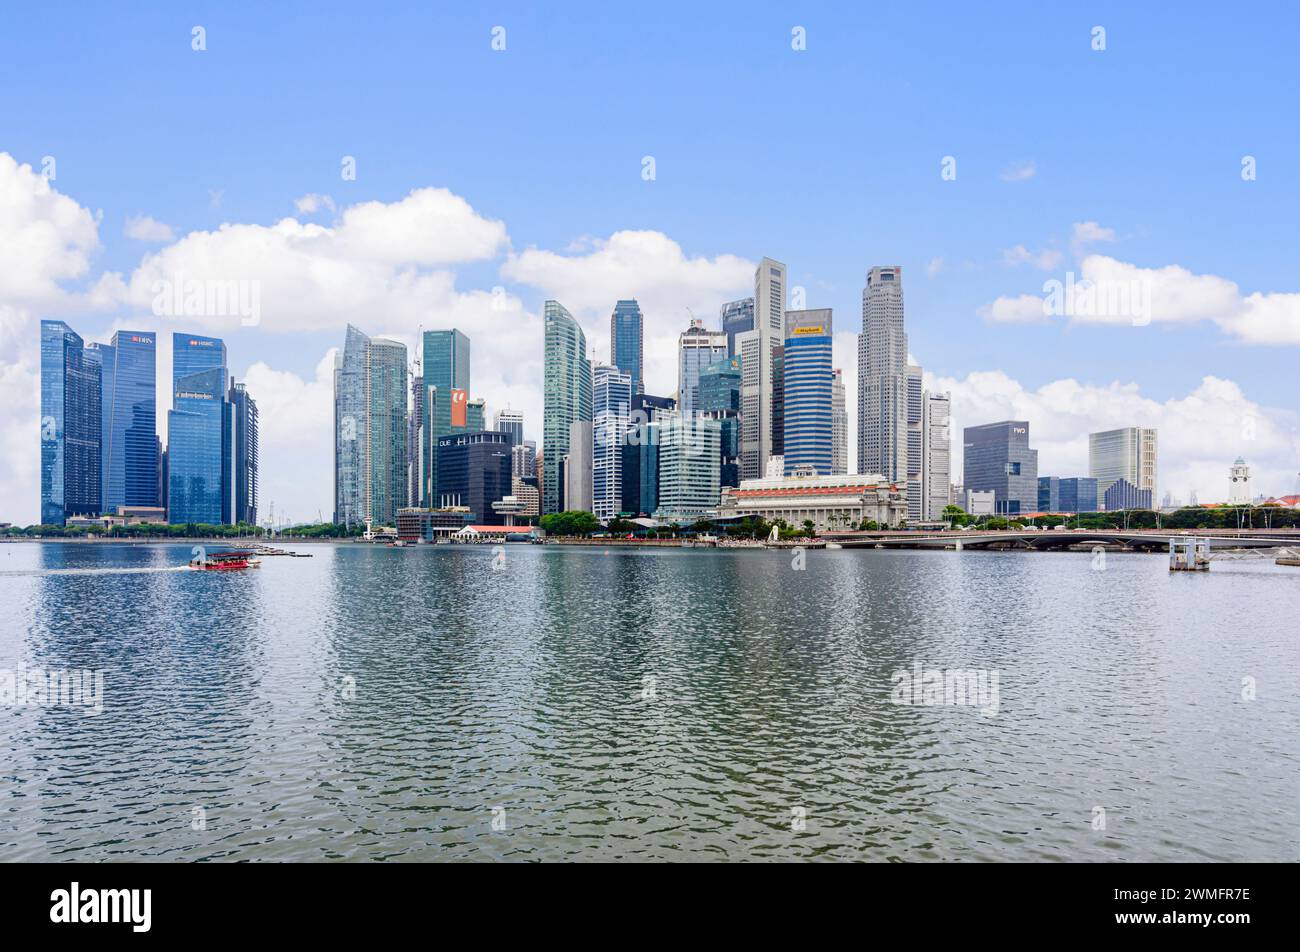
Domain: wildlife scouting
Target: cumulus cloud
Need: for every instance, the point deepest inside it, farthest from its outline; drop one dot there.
(1085, 233)
(313, 202)
(46, 238)
(1172, 295)
(1044, 260)
(145, 228)
(1199, 434)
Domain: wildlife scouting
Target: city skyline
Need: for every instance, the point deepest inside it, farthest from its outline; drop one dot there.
(473, 240)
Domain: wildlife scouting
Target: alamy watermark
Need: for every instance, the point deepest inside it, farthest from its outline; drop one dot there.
(954, 687)
(38, 687)
(1105, 298)
(209, 297)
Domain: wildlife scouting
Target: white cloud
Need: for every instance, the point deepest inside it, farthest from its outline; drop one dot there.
(648, 266)
(1199, 434)
(934, 267)
(313, 202)
(1019, 171)
(1176, 296)
(1085, 233)
(45, 237)
(144, 228)
(1044, 260)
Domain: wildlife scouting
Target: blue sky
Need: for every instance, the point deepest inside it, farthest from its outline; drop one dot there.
(826, 158)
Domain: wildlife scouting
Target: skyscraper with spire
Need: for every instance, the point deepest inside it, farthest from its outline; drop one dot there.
(756, 349)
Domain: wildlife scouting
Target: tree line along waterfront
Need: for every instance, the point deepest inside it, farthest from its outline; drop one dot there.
(574, 523)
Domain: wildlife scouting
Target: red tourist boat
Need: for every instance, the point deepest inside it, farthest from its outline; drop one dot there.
(224, 561)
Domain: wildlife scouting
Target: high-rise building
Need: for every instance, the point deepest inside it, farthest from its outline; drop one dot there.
(523, 460)
(71, 426)
(718, 399)
(350, 442)
(415, 439)
(756, 349)
(736, 317)
(1078, 494)
(936, 454)
(696, 349)
(578, 467)
(688, 467)
(474, 472)
(626, 337)
(246, 450)
(129, 464)
(384, 462)
(1127, 453)
(510, 422)
(778, 405)
(915, 441)
(647, 408)
(997, 457)
(882, 377)
(839, 426)
(641, 470)
(200, 434)
(1049, 494)
(808, 384)
(611, 402)
(566, 396)
(445, 364)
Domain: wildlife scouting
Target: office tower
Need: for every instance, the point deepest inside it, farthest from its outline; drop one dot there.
(510, 422)
(882, 377)
(778, 402)
(611, 402)
(997, 457)
(641, 470)
(1077, 494)
(200, 433)
(1127, 453)
(1238, 483)
(807, 384)
(915, 439)
(128, 402)
(936, 453)
(474, 472)
(1049, 494)
(756, 348)
(71, 426)
(718, 399)
(696, 349)
(627, 341)
(736, 317)
(246, 450)
(350, 440)
(523, 460)
(688, 467)
(578, 469)
(384, 465)
(415, 438)
(839, 426)
(445, 364)
(566, 395)
(1122, 494)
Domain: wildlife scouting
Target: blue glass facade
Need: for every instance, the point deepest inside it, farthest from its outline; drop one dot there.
(640, 489)
(1124, 495)
(200, 434)
(1079, 494)
(626, 336)
(736, 318)
(246, 450)
(71, 425)
(808, 380)
(130, 452)
(997, 457)
(474, 471)
(446, 367)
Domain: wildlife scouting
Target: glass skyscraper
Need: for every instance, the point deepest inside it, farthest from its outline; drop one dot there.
(718, 398)
(370, 430)
(997, 456)
(696, 349)
(736, 317)
(610, 409)
(246, 448)
(808, 382)
(350, 414)
(445, 364)
(1128, 453)
(567, 395)
(197, 441)
(130, 430)
(626, 337)
(71, 425)
(882, 378)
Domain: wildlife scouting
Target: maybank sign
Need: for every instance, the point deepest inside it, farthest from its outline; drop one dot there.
(805, 331)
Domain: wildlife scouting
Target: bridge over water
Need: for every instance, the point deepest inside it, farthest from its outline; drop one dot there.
(1149, 540)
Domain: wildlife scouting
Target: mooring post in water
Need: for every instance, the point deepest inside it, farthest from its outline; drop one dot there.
(1189, 554)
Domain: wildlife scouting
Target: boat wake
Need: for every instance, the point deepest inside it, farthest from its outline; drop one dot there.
(146, 570)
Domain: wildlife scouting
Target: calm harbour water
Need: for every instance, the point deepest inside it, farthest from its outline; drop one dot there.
(374, 703)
